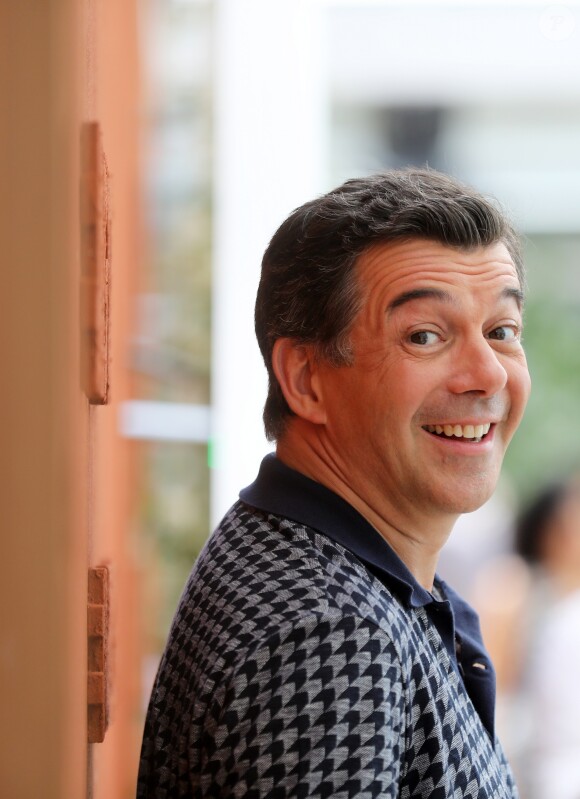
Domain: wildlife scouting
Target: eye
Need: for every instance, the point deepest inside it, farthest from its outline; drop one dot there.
(424, 337)
(505, 333)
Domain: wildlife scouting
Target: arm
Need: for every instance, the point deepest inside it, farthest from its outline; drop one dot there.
(315, 711)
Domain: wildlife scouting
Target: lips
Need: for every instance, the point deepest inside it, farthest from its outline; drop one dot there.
(467, 432)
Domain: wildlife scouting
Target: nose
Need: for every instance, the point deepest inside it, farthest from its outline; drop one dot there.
(477, 367)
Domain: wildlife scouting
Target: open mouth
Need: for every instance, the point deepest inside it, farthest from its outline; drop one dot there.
(467, 432)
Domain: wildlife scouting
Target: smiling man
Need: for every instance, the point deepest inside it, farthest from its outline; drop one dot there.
(315, 652)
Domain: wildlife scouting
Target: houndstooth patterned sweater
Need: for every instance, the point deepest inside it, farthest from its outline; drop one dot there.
(299, 667)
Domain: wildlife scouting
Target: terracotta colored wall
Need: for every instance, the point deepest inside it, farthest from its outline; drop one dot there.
(43, 454)
(112, 99)
(67, 480)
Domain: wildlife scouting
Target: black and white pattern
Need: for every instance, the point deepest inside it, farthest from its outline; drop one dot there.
(291, 671)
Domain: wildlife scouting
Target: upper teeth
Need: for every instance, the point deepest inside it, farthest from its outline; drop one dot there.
(458, 430)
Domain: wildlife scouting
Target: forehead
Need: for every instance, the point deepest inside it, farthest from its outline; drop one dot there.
(396, 267)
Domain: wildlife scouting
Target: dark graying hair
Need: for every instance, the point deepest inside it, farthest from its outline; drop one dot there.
(308, 288)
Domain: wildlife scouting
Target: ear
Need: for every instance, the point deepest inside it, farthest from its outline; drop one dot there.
(296, 369)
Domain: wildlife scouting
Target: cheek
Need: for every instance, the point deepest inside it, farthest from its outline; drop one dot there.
(520, 387)
(348, 403)
(415, 384)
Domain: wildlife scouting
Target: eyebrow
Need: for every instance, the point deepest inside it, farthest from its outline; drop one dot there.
(516, 294)
(446, 297)
(419, 294)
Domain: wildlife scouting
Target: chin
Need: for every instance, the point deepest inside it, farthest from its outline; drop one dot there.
(468, 498)
(469, 507)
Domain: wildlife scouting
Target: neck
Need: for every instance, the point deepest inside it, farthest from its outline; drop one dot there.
(416, 538)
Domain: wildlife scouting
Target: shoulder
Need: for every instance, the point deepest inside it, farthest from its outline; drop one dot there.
(273, 568)
(262, 576)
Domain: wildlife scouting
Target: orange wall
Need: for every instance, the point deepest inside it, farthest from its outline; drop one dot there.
(111, 97)
(43, 456)
(67, 480)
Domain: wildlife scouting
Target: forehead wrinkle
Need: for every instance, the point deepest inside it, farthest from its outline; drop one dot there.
(425, 251)
(385, 271)
(414, 269)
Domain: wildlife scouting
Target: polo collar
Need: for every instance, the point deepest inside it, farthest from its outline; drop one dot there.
(283, 491)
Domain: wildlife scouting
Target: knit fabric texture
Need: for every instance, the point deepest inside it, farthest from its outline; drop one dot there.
(291, 671)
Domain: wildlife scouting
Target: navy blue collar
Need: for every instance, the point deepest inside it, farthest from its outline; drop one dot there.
(288, 493)
(280, 490)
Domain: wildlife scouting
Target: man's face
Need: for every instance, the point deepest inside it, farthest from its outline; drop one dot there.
(422, 418)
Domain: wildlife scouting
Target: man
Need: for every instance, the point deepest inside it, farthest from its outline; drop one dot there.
(315, 653)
